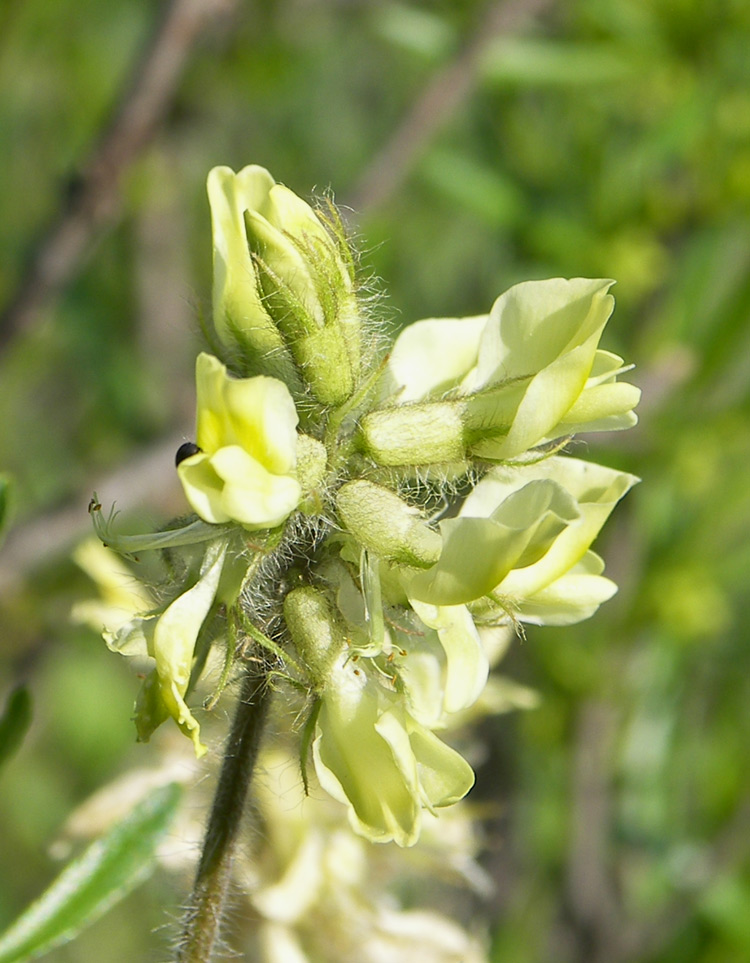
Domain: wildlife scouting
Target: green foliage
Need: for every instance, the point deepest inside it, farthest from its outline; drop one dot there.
(5, 504)
(93, 882)
(14, 722)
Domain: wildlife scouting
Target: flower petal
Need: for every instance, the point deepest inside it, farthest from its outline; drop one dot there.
(204, 488)
(570, 598)
(175, 635)
(597, 490)
(536, 322)
(263, 419)
(466, 663)
(604, 406)
(544, 334)
(252, 495)
(212, 423)
(548, 397)
(422, 674)
(282, 257)
(291, 896)
(376, 778)
(289, 213)
(246, 430)
(444, 775)
(257, 413)
(237, 303)
(479, 552)
(432, 356)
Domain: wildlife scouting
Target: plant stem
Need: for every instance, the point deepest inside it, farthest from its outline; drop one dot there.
(207, 902)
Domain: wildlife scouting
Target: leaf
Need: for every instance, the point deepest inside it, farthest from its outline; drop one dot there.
(482, 190)
(95, 881)
(421, 32)
(537, 62)
(5, 493)
(14, 722)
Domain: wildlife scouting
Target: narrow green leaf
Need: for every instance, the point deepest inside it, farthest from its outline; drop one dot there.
(538, 62)
(14, 722)
(95, 881)
(5, 495)
(480, 189)
(421, 32)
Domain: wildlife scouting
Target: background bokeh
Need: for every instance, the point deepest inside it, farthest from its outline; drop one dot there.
(479, 144)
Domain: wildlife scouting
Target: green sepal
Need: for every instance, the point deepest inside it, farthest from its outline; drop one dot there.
(306, 739)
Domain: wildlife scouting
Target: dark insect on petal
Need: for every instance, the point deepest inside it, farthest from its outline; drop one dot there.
(185, 451)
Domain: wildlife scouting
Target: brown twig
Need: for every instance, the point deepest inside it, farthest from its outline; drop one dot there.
(44, 537)
(436, 105)
(591, 895)
(94, 198)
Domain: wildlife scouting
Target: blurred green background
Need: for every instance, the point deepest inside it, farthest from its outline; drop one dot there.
(586, 138)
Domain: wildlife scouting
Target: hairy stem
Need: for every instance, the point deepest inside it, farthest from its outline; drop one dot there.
(207, 902)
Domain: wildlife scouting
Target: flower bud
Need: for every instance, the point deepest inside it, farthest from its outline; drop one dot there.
(323, 360)
(240, 318)
(290, 268)
(315, 630)
(387, 525)
(311, 467)
(426, 433)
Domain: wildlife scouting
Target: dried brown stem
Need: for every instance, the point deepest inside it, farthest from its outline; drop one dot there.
(93, 200)
(143, 480)
(444, 94)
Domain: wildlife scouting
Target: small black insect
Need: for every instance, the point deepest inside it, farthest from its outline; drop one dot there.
(185, 450)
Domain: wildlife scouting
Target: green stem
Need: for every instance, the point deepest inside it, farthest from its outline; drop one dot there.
(208, 900)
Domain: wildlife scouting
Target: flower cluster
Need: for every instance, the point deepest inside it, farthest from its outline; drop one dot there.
(364, 516)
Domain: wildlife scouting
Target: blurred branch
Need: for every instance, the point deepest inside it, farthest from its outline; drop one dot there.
(591, 896)
(436, 105)
(92, 200)
(45, 536)
(602, 930)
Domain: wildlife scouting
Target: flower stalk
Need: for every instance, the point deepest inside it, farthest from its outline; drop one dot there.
(207, 903)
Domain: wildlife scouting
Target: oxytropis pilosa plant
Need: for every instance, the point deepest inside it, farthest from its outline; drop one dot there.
(362, 513)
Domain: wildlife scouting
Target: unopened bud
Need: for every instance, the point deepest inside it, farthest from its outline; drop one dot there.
(240, 317)
(315, 630)
(427, 433)
(387, 525)
(311, 467)
(323, 360)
